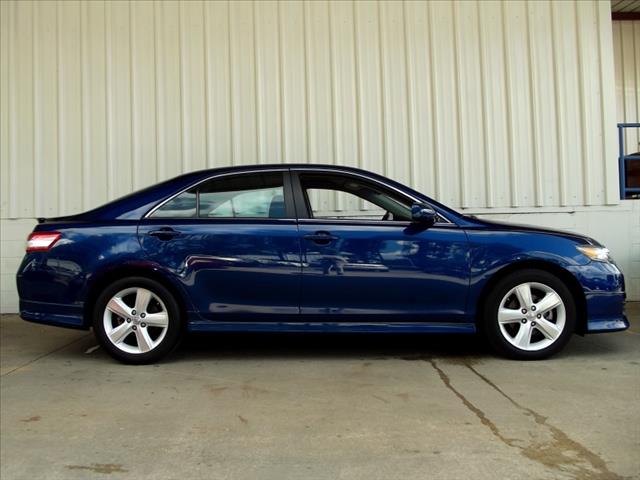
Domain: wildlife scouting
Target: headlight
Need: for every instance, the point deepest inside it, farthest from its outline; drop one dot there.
(599, 254)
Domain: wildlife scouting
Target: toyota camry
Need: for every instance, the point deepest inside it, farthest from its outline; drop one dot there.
(310, 248)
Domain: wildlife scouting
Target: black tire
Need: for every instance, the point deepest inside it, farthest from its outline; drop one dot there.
(491, 328)
(164, 346)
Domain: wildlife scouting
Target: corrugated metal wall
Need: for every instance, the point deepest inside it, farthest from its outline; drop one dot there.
(626, 38)
(480, 104)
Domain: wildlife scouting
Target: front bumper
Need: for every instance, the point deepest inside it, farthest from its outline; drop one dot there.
(604, 290)
(605, 313)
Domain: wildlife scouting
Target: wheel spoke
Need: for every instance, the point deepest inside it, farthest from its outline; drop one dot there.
(119, 333)
(540, 317)
(117, 306)
(138, 319)
(523, 292)
(549, 302)
(523, 337)
(509, 315)
(144, 340)
(143, 296)
(160, 319)
(547, 328)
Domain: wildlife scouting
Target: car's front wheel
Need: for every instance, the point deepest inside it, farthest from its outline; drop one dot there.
(137, 320)
(529, 315)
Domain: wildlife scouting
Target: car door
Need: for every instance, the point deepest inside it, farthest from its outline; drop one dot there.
(232, 242)
(363, 259)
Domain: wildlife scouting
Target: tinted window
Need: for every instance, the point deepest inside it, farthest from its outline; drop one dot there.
(345, 197)
(182, 206)
(240, 196)
(243, 196)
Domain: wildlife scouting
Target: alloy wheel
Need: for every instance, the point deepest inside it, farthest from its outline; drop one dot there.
(531, 316)
(135, 320)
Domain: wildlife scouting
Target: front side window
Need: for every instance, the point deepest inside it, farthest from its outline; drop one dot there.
(240, 196)
(340, 197)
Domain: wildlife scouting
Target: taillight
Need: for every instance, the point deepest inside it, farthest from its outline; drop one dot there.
(41, 241)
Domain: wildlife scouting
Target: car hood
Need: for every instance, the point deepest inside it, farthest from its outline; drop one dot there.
(514, 227)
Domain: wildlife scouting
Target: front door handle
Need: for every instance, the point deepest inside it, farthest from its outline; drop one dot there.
(321, 238)
(164, 233)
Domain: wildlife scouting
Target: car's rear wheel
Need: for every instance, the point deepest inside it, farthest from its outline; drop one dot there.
(137, 320)
(529, 315)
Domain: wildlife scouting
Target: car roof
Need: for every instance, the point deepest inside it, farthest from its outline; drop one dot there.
(134, 205)
(280, 166)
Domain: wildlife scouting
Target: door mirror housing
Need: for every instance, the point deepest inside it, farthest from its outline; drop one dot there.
(423, 214)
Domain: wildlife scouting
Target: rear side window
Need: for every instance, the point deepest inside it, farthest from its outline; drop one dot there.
(248, 196)
(182, 206)
(240, 196)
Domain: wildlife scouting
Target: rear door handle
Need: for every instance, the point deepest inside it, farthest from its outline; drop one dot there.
(321, 238)
(164, 233)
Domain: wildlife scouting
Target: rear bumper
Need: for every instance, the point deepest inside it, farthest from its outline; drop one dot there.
(70, 316)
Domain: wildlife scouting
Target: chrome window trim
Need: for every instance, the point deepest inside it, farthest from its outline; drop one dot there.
(294, 169)
(375, 180)
(373, 223)
(197, 184)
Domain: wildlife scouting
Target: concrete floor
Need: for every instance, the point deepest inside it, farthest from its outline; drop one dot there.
(318, 407)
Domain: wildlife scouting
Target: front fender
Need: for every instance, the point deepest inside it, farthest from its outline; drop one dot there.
(491, 252)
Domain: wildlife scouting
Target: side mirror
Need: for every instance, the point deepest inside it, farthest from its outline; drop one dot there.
(423, 214)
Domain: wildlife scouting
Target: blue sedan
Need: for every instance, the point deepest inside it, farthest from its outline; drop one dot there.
(310, 248)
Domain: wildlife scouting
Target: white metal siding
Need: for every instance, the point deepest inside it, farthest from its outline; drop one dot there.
(505, 108)
(626, 38)
(480, 104)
